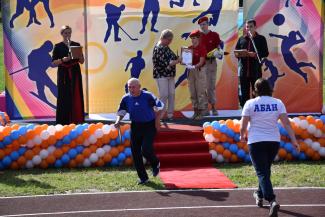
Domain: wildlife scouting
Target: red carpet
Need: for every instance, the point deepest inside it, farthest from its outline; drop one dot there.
(185, 159)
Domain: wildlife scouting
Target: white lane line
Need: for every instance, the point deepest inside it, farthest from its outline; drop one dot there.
(156, 208)
(162, 191)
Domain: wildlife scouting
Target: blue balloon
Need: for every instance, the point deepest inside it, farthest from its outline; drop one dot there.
(73, 134)
(30, 126)
(7, 140)
(322, 118)
(112, 143)
(288, 146)
(79, 149)
(233, 148)
(58, 163)
(59, 144)
(6, 161)
(128, 152)
(215, 125)
(295, 153)
(1, 145)
(282, 144)
(22, 150)
(72, 153)
(14, 134)
(237, 137)
(223, 128)
(121, 157)
(14, 155)
(85, 126)
(118, 140)
(114, 162)
(79, 129)
(206, 124)
(231, 134)
(65, 159)
(248, 158)
(127, 134)
(241, 153)
(22, 130)
(226, 145)
(302, 156)
(66, 140)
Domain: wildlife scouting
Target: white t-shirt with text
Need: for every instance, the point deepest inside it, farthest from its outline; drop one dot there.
(264, 112)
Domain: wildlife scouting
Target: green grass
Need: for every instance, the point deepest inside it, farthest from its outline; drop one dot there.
(50, 181)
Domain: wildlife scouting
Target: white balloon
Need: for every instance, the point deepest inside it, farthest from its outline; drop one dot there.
(86, 142)
(316, 146)
(37, 140)
(304, 124)
(99, 133)
(213, 154)
(107, 148)
(277, 158)
(318, 133)
(308, 141)
(51, 129)
(106, 129)
(219, 158)
(36, 160)
(58, 127)
(209, 138)
(29, 164)
(92, 139)
(44, 153)
(45, 134)
(51, 149)
(86, 163)
(296, 120)
(322, 151)
(93, 158)
(30, 143)
(100, 152)
(311, 129)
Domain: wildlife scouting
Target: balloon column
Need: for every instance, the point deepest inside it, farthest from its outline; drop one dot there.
(59, 146)
(225, 145)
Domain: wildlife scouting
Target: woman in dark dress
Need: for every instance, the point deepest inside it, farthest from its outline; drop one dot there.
(70, 103)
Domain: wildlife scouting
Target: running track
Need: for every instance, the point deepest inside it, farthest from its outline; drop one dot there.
(303, 202)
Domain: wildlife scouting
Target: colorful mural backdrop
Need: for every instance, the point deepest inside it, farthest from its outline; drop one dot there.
(118, 37)
(294, 31)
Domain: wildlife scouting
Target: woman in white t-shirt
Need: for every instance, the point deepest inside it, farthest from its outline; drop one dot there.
(262, 113)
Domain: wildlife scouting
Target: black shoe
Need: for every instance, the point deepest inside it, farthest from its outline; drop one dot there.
(143, 181)
(274, 208)
(258, 200)
(156, 170)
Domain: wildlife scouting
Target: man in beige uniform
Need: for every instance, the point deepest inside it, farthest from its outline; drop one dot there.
(211, 41)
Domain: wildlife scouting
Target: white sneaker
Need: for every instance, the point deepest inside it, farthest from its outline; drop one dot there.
(258, 200)
(274, 208)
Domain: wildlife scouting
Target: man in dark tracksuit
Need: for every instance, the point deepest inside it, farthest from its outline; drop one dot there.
(249, 67)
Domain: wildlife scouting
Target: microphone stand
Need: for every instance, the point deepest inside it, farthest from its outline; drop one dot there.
(255, 49)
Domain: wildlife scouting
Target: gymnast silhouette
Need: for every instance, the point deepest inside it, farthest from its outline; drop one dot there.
(20, 6)
(39, 60)
(150, 6)
(298, 4)
(180, 3)
(274, 71)
(46, 5)
(113, 14)
(138, 64)
(214, 10)
(287, 43)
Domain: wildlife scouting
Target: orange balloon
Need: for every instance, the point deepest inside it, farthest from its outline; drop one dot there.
(6, 131)
(282, 153)
(80, 159)
(93, 148)
(15, 127)
(223, 138)
(219, 149)
(80, 139)
(216, 134)
(128, 161)
(38, 129)
(310, 119)
(226, 154)
(120, 148)
(58, 153)
(52, 140)
(113, 134)
(44, 126)
(230, 124)
(304, 134)
(21, 161)
(36, 150)
(234, 158)
(99, 125)
(50, 159)
(2, 154)
(127, 143)
(107, 158)
(65, 148)
(237, 128)
(319, 124)
(14, 166)
(44, 164)
(44, 144)
(208, 129)
(85, 134)
(316, 156)
(303, 146)
(310, 152)
(86, 152)
(114, 152)
(15, 145)
(22, 140)
(212, 145)
(73, 144)
(92, 128)
(72, 164)
(289, 157)
(7, 150)
(100, 162)
(29, 154)
(322, 142)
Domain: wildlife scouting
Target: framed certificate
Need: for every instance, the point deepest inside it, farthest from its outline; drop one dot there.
(76, 52)
(241, 53)
(187, 56)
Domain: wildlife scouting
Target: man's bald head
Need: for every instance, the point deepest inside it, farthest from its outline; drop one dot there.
(134, 86)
